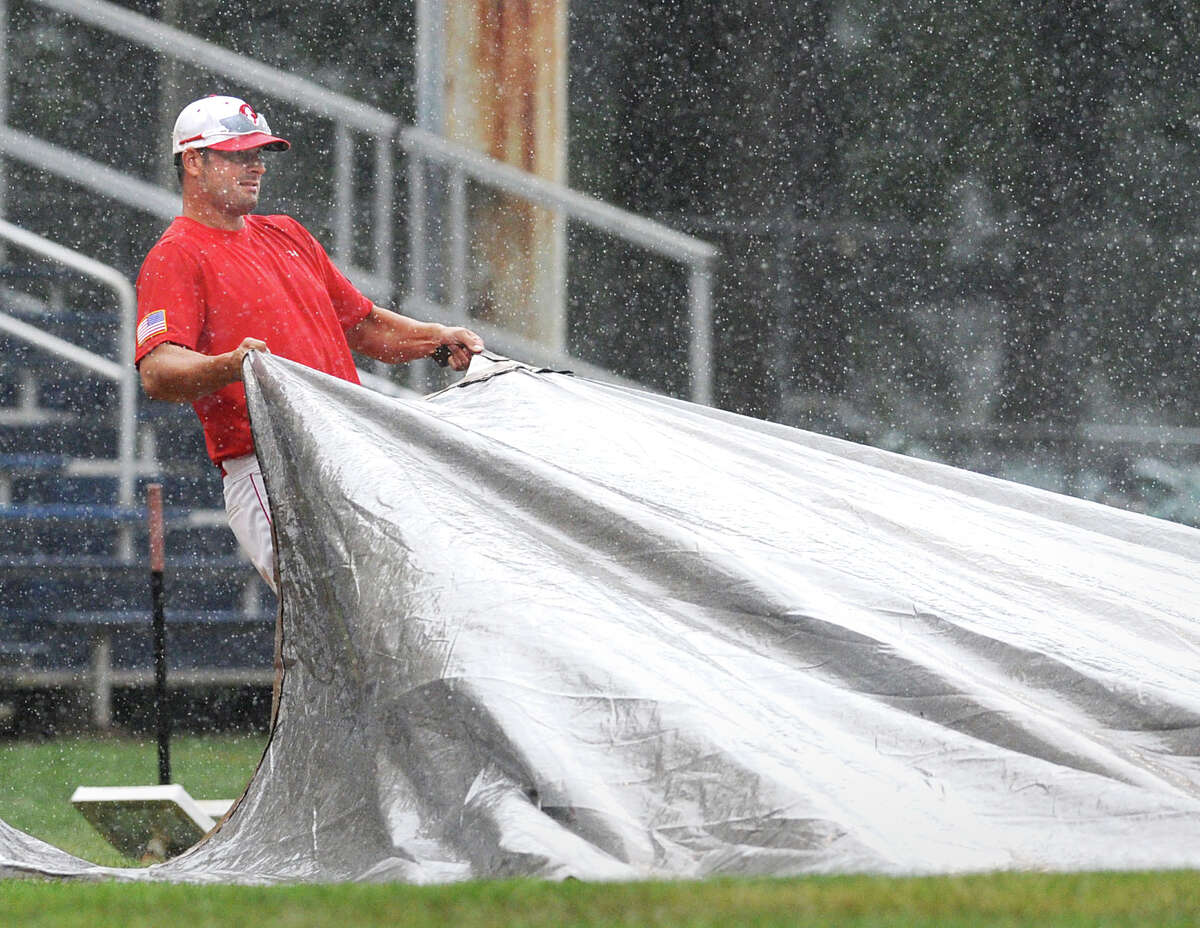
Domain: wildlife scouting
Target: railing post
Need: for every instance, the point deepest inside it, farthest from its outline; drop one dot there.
(170, 94)
(343, 197)
(459, 240)
(700, 332)
(127, 431)
(100, 678)
(385, 197)
(416, 227)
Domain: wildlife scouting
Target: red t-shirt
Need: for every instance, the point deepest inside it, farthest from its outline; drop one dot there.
(207, 289)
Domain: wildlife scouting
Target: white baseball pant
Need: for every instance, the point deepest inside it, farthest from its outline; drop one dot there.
(249, 513)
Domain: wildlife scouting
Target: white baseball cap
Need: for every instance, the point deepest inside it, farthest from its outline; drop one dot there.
(223, 123)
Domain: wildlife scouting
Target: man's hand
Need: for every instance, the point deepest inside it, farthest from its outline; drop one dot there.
(457, 347)
(239, 353)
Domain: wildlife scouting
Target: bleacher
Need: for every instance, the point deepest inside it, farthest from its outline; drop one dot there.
(75, 607)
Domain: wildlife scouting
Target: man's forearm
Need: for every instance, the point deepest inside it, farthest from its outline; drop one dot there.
(179, 375)
(390, 337)
(393, 338)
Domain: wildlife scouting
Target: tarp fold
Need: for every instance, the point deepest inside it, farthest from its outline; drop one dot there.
(540, 626)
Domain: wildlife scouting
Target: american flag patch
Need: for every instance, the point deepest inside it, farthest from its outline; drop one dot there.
(154, 324)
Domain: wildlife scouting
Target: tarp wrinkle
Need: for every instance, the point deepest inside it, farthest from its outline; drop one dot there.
(538, 626)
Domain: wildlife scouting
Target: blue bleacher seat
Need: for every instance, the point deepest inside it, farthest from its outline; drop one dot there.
(70, 438)
(195, 638)
(56, 488)
(62, 574)
(82, 395)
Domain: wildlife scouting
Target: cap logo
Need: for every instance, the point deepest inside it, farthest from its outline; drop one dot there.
(247, 110)
(239, 124)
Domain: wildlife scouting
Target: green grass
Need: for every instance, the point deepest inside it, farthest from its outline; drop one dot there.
(37, 778)
(1108, 900)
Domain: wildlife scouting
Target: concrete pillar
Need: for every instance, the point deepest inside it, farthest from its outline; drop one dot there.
(504, 93)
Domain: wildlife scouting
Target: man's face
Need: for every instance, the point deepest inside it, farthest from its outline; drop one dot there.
(229, 181)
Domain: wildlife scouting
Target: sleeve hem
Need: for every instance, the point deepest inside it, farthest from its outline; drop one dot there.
(154, 342)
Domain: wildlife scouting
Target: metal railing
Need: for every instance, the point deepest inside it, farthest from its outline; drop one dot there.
(121, 371)
(347, 114)
(462, 163)
(423, 149)
(97, 177)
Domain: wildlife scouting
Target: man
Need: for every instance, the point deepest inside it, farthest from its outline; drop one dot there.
(222, 282)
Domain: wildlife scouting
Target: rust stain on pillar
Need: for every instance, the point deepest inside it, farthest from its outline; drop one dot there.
(506, 97)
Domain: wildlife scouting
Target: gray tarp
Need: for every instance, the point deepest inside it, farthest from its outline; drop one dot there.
(541, 626)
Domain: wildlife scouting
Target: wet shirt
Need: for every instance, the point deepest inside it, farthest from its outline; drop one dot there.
(207, 289)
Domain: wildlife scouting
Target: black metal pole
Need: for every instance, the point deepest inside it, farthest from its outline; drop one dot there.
(162, 713)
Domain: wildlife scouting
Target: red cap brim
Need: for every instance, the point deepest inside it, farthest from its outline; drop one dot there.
(252, 140)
